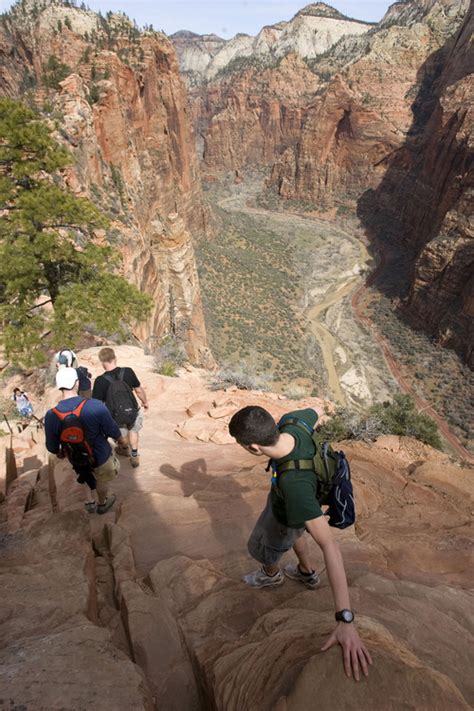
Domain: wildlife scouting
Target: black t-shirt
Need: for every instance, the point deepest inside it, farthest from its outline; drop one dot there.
(101, 384)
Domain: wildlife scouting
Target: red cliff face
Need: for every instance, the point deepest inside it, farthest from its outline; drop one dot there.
(121, 109)
(360, 119)
(428, 191)
(249, 118)
(392, 132)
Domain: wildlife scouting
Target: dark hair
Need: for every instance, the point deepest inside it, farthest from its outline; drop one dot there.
(254, 425)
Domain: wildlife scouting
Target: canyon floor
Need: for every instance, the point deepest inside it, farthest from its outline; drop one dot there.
(144, 608)
(292, 284)
(326, 263)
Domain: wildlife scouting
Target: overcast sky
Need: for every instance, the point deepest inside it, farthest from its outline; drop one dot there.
(223, 17)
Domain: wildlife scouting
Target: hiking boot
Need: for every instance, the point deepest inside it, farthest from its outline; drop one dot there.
(135, 460)
(311, 581)
(122, 451)
(259, 579)
(91, 506)
(107, 505)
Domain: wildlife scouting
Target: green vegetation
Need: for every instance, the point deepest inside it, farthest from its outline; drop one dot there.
(436, 373)
(398, 417)
(252, 284)
(93, 95)
(243, 376)
(55, 72)
(169, 356)
(240, 64)
(54, 280)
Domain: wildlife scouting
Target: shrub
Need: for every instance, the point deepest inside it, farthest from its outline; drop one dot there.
(398, 417)
(243, 376)
(54, 72)
(169, 356)
(295, 392)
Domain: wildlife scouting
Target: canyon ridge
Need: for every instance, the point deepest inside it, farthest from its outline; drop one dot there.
(298, 205)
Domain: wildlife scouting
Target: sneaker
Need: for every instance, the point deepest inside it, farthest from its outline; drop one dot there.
(91, 506)
(107, 505)
(310, 581)
(122, 451)
(135, 460)
(259, 579)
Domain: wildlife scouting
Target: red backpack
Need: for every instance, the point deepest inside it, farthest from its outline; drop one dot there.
(73, 439)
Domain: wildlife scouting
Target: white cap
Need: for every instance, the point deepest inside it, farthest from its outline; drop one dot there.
(66, 378)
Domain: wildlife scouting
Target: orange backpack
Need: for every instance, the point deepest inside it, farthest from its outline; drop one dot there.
(73, 439)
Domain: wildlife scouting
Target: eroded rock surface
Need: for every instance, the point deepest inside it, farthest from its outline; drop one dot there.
(168, 562)
(121, 108)
(53, 655)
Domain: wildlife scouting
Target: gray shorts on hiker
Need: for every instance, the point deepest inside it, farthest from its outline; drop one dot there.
(136, 427)
(270, 539)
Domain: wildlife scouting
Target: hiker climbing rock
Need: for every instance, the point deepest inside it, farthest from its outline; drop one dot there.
(22, 402)
(304, 477)
(67, 358)
(117, 387)
(78, 428)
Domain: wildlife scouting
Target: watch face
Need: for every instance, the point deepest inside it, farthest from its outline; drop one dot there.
(347, 616)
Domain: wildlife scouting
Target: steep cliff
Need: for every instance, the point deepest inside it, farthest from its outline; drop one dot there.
(249, 96)
(364, 111)
(116, 97)
(252, 116)
(426, 197)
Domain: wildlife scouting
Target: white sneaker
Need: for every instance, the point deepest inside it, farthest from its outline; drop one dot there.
(310, 581)
(259, 579)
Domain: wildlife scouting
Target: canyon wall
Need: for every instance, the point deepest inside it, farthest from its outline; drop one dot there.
(364, 112)
(427, 193)
(250, 96)
(117, 100)
(381, 120)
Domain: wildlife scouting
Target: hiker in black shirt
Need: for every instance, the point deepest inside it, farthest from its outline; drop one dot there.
(101, 386)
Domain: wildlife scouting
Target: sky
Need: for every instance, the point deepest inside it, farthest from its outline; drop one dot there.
(223, 17)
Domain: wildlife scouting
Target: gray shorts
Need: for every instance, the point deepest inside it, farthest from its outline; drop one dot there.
(136, 427)
(270, 539)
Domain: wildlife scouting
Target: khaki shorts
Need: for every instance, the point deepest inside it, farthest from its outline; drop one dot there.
(136, 427)
(108, 470)
(270, 539)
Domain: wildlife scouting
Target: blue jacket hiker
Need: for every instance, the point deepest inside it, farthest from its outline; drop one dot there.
(79, 429)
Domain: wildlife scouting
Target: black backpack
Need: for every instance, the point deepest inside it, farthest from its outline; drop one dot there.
(334, 486)
(74, 444)
(120, 400)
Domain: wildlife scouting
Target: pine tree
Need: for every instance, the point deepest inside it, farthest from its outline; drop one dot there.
(54, 280)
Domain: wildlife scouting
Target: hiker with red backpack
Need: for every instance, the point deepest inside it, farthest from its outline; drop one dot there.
(306, 474)
(78, 429)
(117, 388)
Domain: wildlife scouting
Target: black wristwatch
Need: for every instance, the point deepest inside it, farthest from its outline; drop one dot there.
(345, 616)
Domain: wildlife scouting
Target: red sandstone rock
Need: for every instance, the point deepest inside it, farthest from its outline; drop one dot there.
(133, 150)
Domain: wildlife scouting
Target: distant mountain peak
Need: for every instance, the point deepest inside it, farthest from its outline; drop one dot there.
(321, 9)
(184, 34)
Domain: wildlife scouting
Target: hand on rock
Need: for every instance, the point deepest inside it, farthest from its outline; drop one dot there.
(354, 651)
